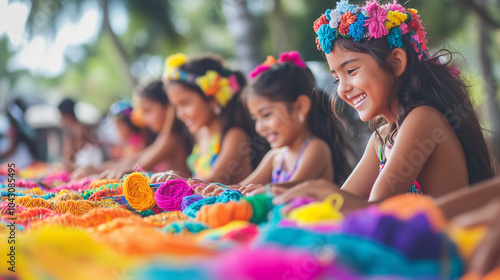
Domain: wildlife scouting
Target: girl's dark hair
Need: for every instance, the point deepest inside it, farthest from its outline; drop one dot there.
(67, 107)
(155, 91)
(429, 82)
(234, 114)
(285, 82)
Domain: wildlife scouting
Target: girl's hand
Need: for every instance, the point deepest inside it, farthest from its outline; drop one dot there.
(486, 256)
(161, 177)
(317, 189)
(82, 172)
(115, 173)
(246, 190)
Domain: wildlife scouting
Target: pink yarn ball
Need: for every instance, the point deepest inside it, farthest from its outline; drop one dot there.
(169, 195)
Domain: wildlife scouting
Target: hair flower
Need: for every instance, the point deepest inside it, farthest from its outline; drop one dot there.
(394, 18)
(320, 21)
(345, 22)
(395, 7)
(395, 38)
(335, 16)
(375, 21)
(292, 57)
(356, 29)
(343, 6)
(326, 35)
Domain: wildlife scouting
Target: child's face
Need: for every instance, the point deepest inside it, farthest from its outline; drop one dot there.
(153, 114)
(273, 120)
(190, 107)
(362, 83)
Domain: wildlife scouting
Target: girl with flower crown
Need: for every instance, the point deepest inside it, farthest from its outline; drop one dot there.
(294, 117)
(427, 138)
(205, 96)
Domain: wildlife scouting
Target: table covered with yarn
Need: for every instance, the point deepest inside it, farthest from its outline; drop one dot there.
(128, 227)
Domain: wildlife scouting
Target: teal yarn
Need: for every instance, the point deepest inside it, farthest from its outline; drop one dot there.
(226, 196)
(161, 271)
(229, 195)
(261, 204)
(365, 256)
(189, 226)
(87, 193)
(194, 207)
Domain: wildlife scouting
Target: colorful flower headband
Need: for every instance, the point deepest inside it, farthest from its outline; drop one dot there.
(372, 21)
(289, 57)
(212, 83)
(121, 109)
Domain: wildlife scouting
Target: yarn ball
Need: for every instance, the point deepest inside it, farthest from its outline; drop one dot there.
(169, 195)
(407, 237)
(319, 211)
(194, 207)
(405, 206)
(220, 214)
(188, 200)
(187, 226)
(261, 205)
(137, 191)
(297, 202)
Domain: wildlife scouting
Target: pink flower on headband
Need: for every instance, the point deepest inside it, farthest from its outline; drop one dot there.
(395, 7)
(376, 19)
(233, 83)
(292, 57)
(289, 57)
(454, 71)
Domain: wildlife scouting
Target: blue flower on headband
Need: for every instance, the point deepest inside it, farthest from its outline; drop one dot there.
(356, 29)
(395, 38)
(327, 14)
(343, 6)
(326, 35)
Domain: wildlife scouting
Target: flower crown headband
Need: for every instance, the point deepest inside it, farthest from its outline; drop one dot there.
(287, 57)
(121, 109)
(211, 83)
(371, 21)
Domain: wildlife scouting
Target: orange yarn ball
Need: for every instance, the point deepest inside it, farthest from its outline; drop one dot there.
(93, 218)
(165, 218)
(138, 192)
(79, 207)
(405, 206)
(30, 202)
(100, 182)
(220, 214)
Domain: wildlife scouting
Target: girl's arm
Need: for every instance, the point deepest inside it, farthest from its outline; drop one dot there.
(362, 178)
(263, 173)
(316, 158)
(230, 160)
(407, 157)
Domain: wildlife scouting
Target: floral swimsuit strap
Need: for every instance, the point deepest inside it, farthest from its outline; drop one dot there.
(201, 165)
(415, 188)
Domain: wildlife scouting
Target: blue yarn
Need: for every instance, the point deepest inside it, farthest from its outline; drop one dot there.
(326, 36)
(395, 38)
(229, 195)
(179, 227)
(226, 196)
(18, 194)
(363, 255)
(160, 271)
(343, 6)
(356, 30)
(194, 207)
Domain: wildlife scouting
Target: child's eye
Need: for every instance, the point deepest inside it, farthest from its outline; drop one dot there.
(337, 80)
(266, 115)
(350, 71)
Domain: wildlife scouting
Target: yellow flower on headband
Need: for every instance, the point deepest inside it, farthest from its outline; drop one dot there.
(213, 84)
(173, 62)
(394, 18)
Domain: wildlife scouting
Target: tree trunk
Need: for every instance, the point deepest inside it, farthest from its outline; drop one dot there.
(106, 25)
(279, 29)
(490, 86)
(241, 26)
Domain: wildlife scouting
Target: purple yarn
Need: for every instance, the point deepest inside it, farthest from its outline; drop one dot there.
(297, 202)
(414, 237)
(187, 200)
(169, 195)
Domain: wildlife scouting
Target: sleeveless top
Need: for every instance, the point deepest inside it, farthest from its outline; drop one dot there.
(415, 188)
(201, 165)
(280, 175)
